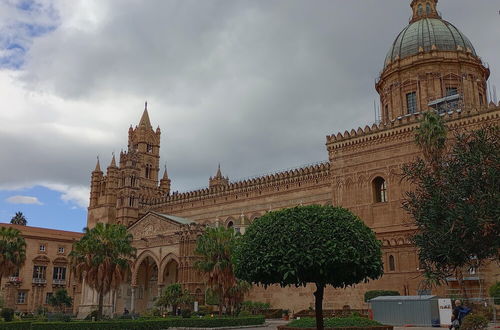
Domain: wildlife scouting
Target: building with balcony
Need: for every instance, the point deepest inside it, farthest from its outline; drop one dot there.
(45, 270)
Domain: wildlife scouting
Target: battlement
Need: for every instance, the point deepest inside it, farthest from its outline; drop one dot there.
(402, 123)
(314, 172)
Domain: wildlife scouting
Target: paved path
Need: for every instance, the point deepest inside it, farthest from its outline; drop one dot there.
(272, 324)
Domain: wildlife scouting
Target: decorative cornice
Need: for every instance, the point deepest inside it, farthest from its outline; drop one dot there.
(404, 124)
(317, 171)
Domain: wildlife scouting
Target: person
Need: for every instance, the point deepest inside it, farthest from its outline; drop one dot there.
(125, 311)
(458, 314)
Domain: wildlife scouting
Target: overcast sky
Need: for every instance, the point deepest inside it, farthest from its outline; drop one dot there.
(255, 85)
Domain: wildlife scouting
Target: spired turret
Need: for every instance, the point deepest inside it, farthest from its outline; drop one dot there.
(218, 181)
(165, 183)
(95, 184)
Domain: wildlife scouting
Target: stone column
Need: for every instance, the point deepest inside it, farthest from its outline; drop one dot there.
(132, 299)
(160, 288)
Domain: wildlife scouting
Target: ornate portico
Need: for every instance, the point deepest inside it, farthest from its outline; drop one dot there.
(165, 255)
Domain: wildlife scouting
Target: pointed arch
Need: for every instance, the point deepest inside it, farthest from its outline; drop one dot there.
(164, 263)
(138, 262)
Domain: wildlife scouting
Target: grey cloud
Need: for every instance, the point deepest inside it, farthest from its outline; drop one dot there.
(255, 85)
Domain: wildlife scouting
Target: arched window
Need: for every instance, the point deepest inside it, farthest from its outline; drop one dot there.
(428, 8)
(392, 264)
(420, 10)
(149, 148)
(230, 224)
(132, 180)
(131, 201)
(379, 190)
(149, 171)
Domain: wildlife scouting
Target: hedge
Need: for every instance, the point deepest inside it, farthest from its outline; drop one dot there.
(335, 322)
(205, 322)
(16, 325)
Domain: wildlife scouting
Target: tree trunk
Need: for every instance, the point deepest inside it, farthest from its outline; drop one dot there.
(320, 288)
(461, 283)
(221, 300)
(101, 303)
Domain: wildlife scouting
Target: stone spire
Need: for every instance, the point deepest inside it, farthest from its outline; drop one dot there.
(218, 180)
(165, 182)
(424, 9)
(97, 166)
(165, 174)
(218, 175)
(145, 117)
(113, 161)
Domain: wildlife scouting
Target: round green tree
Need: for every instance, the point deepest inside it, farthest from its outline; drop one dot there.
(323, 245)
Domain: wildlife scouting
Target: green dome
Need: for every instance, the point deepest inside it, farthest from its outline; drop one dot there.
(423, 34)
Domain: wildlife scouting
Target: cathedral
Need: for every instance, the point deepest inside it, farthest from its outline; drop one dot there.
(431, 65)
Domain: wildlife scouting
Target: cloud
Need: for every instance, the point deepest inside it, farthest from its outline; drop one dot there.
(73, 194)
(254, 85)
(20, 23)
(18, 199)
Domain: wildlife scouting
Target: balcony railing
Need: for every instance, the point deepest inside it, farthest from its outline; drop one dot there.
(59, 281)
(15, 279)
(39, 281)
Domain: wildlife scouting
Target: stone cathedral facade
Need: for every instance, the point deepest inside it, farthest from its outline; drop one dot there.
(431, 65)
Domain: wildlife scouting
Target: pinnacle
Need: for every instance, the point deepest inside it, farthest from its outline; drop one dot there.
(165, 174)
(113, 162)
(219, 174)
(145, 118)
(97, 166)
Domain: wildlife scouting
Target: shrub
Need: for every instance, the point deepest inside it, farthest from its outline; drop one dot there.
(186, 313)
(153, 324)
(244, 313)
(494, 292)
(377, 293)
(474, 322)
(59, 317)
(15, 325)
(7, 314)
(254, 308)
(335, 322)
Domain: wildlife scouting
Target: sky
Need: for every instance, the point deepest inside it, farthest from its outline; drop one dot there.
(255, 85)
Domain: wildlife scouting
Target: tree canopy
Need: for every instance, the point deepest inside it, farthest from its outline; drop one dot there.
(215, 249)
(60, 299)
(173, 296)
(12, 251)
(324, 245)
(102, 257)
(455, 204)
(19, 219)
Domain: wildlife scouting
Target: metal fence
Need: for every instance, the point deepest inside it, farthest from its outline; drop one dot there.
(427, 311)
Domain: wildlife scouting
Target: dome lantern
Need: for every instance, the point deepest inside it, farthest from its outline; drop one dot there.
(424, 9)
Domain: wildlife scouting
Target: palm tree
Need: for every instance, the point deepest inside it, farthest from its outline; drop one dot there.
(19, 219)
(102, 257)
(215, 247)
(431, 136)
(12, 251)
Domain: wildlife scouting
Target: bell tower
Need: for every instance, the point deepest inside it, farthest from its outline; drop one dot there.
(145, 142)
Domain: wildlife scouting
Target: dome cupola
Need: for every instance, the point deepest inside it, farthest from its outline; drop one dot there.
(426, 32)
(430, 64)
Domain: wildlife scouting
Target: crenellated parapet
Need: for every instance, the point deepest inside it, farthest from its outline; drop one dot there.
(407, 124)
(274, 182)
